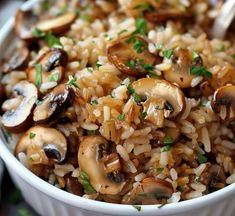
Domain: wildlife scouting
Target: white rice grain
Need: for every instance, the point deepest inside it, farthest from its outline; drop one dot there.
(123, 153)
(199, 170)
(140, 177)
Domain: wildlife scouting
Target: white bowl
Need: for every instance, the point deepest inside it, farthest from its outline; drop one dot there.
(48, 200)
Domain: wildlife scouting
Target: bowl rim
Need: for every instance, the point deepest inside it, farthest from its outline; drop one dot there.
(93, 205)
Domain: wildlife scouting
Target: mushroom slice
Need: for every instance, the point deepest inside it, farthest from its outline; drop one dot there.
(42, 145)
(162, 15)
(57, 25)
(224, 103)
(154, 88)
(54, 103)
(18, 61)
(19, 118)
(129, 60)
(180, 71)
(90, 160)
(24, 24)
(149, 191)
(51, 68)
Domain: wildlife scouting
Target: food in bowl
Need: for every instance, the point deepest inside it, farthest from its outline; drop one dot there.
(121, 101)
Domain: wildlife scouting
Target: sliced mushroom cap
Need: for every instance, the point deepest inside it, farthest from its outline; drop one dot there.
(20, 118)
(53, 104)
(42, 145)
(52, 65)
(154, 88)
(26, 22)
(150, 191)
(162, 15)
(180, 71)
(224, 101)
(58, 24)
(73, 185)
(126, 59)
(90, 156)
(18, 61)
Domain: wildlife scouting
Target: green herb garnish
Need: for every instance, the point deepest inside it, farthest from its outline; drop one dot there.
(38, 33)
(86, 182)
(139, 46)
(144, 7)
(136, 97)
(168, 140)
(38, 76)
(86, 17)
(168, 53)
(107, 37)
(220, 48)
(143, 115)
(122, 31)
(130, 89)
(31, 135)
(165, 148)
(200, 71)
(195, 55)
(121, 117)
(54, 77)
(138, 208)
(97, 64)
(38, 102)
(201, 158)
(94, 102)
(52, 40)
(141, 26)
(72, 81)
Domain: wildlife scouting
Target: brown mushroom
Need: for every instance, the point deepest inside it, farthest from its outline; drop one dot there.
(224, 101)
(91, 159)
(18, 60)
(163, 15)
(72, 185)
(58, 24)
(19, 117)
(26, 22)
(129, 60)
(174, 100)
(180, 71)
(51, 66)
(149, 191)
(53, 104)
(42, 146)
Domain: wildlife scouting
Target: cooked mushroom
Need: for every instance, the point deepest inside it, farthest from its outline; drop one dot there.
(26, 22)
(58, 24)
(153, 88)
(162, 15)
(73, 185)
(149, 191)
(48, 68)
(127, 59)
(91, 160)
(18, 61)
(224, 103)
(180, 71)
(19, 117)
(53, 104)
(216, 178)
(42, 146)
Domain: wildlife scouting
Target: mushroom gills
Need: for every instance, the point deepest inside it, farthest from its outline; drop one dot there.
(20, 118)
(53, 104)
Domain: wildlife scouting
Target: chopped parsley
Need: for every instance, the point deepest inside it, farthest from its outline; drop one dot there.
(122, 31)
(86, 182)
(38, 33)
(141, 26)
(107, 37)
(94, 102)
(143, 115)
(89, 69)
(73, 81)
(136, 63)
(98, 64)
(130, 89)
(139, 46)
(200, 71)
(54, 77)
(23, 212)
(159, 46)
(38, 76)
(153, 75)
(201, 158)
(195, 55)
(121, 117)
(138, 208)
(38, 102)
(31, 135)
(165, 148)
(168, 53)
(220, 48)
(86, 17)
(91, 132)
(168, 140)
(136, 97)
(52, 40)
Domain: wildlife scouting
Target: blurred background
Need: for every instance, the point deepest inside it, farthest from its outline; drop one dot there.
(11, 202)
